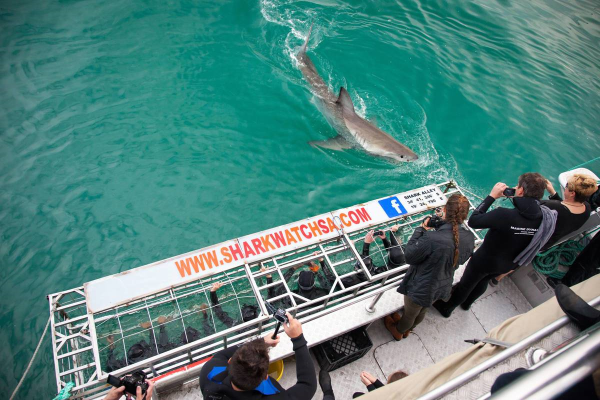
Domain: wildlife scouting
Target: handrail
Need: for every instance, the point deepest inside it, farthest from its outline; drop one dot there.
(497, 359)
(557, 374)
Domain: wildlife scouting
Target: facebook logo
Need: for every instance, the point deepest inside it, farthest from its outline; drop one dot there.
(392, 207)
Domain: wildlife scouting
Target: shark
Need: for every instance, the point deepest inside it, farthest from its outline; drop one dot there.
(353, 130)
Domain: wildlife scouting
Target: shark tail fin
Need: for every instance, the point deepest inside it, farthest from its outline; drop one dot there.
(345, 101)
(303, 49)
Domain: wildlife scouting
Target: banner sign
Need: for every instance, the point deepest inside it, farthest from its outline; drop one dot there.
(126, 286)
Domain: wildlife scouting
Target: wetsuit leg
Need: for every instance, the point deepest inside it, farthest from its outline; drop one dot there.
(163, 339)
(473, 280)
(207, 326)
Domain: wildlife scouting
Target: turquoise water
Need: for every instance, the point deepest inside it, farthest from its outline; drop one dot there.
(132, 131)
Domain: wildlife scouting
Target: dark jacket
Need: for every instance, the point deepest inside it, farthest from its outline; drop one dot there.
(215, 379)
(430, 255)
(509, 233)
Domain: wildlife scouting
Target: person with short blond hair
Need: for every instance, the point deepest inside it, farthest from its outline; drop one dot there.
(574, 210)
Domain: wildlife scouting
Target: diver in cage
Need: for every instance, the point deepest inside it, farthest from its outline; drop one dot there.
(249, 311)
(395, 256)
(140, 350)
(306, 281)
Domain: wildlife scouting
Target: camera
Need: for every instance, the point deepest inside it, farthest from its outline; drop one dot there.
(434, 221)
(131, 382)
(377, 233)
(280, 315)
(509, 192)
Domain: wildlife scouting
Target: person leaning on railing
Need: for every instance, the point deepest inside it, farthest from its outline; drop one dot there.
(240, 372)
(433, 255)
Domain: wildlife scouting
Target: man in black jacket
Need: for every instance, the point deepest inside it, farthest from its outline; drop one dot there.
(510, 231)
(240, 372)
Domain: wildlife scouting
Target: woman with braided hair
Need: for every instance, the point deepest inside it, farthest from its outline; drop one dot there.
(433, 256)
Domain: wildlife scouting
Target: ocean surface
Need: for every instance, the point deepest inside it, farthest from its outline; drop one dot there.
(133, 131)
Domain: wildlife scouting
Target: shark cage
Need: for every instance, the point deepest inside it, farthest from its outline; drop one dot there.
(163, 317)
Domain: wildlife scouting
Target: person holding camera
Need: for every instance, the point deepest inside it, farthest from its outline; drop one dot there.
(116, 392)
(240, 372)
(433, 255)
(510, 234)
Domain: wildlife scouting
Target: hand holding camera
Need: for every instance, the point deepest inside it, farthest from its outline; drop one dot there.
(498, 190)
(135, 384)
(294, 328)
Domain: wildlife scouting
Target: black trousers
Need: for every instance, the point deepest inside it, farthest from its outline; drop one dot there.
(472, 286)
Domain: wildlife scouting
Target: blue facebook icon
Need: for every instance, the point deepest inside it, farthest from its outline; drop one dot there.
(392, 207)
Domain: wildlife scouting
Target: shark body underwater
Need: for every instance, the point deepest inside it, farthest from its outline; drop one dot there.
(353, 131)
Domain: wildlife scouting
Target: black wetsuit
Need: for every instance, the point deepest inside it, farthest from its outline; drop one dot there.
(325, 281)
(510, 231)
(140, 351)
(566, 221)
(395, 254)
(396, 259)
(215, 379)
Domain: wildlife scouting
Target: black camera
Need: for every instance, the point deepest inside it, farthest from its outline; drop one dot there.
(131, 382)
(377, 233)
(509, 192)
(434, 221)
(280, 315)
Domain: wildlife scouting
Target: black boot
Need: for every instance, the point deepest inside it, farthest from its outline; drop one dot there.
(440, 306)
(325, 383)
(580, 312)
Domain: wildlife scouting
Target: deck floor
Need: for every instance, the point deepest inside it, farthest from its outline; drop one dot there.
(434, 339)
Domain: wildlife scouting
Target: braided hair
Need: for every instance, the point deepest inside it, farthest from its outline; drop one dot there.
(457, 209)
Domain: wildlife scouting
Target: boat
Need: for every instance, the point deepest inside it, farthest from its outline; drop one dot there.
(101, 318)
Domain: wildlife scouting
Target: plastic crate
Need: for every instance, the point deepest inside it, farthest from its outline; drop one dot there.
(342, 350)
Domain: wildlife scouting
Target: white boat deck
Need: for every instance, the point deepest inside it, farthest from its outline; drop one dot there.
(434, 339)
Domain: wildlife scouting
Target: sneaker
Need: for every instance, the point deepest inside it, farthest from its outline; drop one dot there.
(325, 382)
(396, 317)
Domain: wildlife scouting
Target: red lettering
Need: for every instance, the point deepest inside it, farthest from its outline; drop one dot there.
(278, 239)
(267, 242)
(295, 230)
(236, 251)
(323, 226)
(332, 226)
(289, 237)
(225, 253)
(306, 235)
(353, 217)
(188, 263)
(211, 259)
(258, 246)
(363, 214)
(314, 228)
(343, 219)
(248, 251)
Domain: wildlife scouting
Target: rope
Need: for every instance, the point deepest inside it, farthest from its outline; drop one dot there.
(585, 163)
(564, 254)
(31, 361)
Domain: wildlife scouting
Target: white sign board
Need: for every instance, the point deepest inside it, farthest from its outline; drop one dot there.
(139, 282)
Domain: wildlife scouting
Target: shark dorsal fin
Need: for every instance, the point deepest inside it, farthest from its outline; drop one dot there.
(345, 101)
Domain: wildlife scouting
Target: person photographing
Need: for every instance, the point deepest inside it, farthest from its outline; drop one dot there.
(240, 372)
(434, 251)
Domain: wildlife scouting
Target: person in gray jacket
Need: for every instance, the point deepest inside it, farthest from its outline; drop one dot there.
(433, 256)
